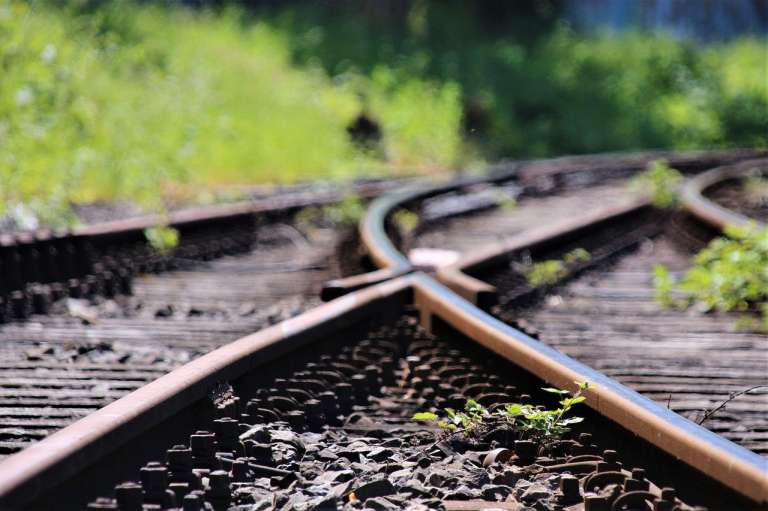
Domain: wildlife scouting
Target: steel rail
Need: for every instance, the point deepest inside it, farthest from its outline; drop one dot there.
(734, 466)
(26, 475)
(456, 276)
(373, 230)
(29, 474)
(33, 261)
(706, 210)
(391, 263)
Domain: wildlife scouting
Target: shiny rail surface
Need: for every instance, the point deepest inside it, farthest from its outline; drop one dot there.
(535, 178)
(172, 405)
(47, 472)
(707, 210)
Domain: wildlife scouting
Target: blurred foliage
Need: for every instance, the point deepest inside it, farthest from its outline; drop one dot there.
(729, 274)
(405, 221)
(162, 238)
(158, 104)
(546, 89)
(552, 271)
(660, 182)
(113, 100)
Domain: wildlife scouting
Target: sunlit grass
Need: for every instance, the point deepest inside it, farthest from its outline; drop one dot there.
(152, 104)
(156, 105)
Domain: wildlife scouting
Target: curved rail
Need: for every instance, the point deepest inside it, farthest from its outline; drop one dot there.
(708, 211)
(456, 276)
(555, 172)
(373, 231)
(28, 475)
(722, 460)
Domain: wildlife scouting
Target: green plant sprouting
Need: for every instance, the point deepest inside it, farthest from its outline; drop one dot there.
(348, 211)
(405, 221)
(551, 271)
(660, 182)
(729, 274)
(162, 238)
(756, 188)
(527, 421)
(504, 201)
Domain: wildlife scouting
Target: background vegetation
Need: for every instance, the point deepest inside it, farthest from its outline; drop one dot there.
(158, 103)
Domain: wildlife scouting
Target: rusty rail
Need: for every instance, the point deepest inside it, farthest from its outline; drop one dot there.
(708, 211)
(530, 174)
(457, 275)
(40, 266)
(29, 474)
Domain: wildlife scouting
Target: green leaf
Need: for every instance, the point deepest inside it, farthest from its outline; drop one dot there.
(425, 416)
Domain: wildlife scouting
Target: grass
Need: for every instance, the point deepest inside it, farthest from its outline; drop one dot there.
(156, 105)
(120, 100)
(526, 421)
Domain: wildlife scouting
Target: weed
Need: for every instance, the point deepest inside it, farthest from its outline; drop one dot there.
(551, 271)
(528, 422)
(712, 411)
(405, 221)
(729, 274)
(659, 181)
(348, 211)
(504, 201)
(162, 238)
(756, 188)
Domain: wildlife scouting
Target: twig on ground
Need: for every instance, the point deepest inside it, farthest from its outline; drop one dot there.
(734, 395)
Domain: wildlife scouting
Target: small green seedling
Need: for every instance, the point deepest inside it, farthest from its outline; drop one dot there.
(551, 271)
(529, 422)
(162, 238)
(545, 426)
(348, 211)
(660, 182)
(405, 221)
(504, 201)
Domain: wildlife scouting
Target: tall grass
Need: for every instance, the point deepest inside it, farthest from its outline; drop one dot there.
(155, 104)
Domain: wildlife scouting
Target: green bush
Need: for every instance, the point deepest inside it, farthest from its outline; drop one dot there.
(158, 104)
(562, 91)
(730, 274)
(659, 182)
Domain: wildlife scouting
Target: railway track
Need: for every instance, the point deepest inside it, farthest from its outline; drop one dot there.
(606, 314)
(236, 271)
(314, 413)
